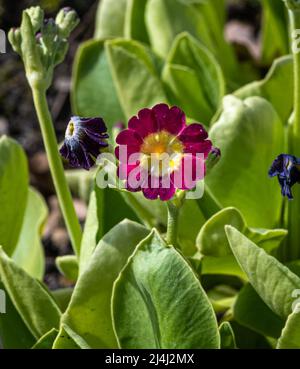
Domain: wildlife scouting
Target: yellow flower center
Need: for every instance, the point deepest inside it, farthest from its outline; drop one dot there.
(71, 129)
(161, 153)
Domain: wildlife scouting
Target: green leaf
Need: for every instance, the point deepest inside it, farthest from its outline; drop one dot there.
(250, 311)
(92, 295)
(13, 192)
(227, 336)
(212, 242)
(273, 281)
(67, 339)
(30, 237)
(93, 90)
(225, 265)
(13, 332)
(110, 19)
(62, 297)
(68, 266)
(134, 71)
(212, 239)
(46, 342)
(165, 19)
(270, 88)
(275, 38)
(158, 283)
(34, 304)
(135, 27)
(190, 221)
(98, 223)
(247, 339)
(193, 78)
(290, 337)
(250, 135)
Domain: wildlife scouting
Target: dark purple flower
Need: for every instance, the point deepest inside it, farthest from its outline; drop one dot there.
(287, 169)
(84, 139)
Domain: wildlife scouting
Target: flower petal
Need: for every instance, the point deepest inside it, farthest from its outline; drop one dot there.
(203, 147)
(171, 120)
(193, 133)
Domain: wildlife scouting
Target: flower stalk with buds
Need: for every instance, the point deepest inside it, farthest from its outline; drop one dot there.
(42, 44)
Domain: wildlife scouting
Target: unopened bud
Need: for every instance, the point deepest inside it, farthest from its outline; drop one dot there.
(66, 20)
(36, 15)
(213, 158)
(14, 37)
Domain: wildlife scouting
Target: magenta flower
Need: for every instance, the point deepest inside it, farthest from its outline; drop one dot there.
(160, 153)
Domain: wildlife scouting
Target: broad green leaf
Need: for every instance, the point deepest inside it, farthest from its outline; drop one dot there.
(193, 78)
(13, 192)
(34, 304)
(62, 297)
(248, 339)
(68, 266)
(222, 298)
(165, 19)
(270, 88)
(46, 342)
(290, 337)
(275, 38)
(250, 135)
(225, 265)
(190, 221)
(92, 295)
(29, 253)
(250, 311)
(227, 336)
(274, 282)
(93, 90)
(135, 76)
(135, 27)
(98, 223)
(212, 239)
(13, 332)
(67, 339)
(158, 283)
(110, 19)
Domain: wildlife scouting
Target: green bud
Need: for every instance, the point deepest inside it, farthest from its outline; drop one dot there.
(61, 52)
(49, 33)
(36, 15)
(30, 53)
(15, 39)
(67, 19)
(213, 158)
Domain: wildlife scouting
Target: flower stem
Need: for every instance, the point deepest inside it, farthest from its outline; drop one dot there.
(56, 168)
(293, 251)
(173, 213)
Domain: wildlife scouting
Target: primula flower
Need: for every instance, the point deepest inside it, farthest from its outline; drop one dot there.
(287, 169)
(160, 149)
(84, 140)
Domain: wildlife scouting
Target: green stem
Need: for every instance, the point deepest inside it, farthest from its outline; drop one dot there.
(293, 251)
(173, 213)
(56, 168)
